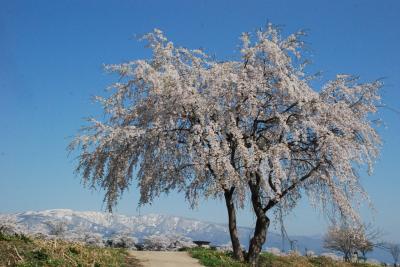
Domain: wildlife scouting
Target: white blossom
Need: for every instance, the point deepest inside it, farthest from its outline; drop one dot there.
(183, 121)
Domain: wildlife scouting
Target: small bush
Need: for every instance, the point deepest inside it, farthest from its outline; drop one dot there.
(73, 250)
(40, 255)
(213, 258)
(24, 238)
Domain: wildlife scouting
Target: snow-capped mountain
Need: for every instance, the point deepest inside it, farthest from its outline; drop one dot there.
(140, 226)
(106, 224)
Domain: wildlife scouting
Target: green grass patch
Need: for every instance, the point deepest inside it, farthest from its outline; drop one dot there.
(22, 251)
(214, 258)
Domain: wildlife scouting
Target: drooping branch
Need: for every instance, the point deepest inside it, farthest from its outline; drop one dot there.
(271, 203)
(184, 121)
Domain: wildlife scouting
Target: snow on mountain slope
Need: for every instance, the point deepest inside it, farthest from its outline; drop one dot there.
(106, 224)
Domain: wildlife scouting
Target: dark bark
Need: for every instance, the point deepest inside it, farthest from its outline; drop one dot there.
(237, 250)
(262, 224)
(258, 239)
(347, 256)
(260, 210)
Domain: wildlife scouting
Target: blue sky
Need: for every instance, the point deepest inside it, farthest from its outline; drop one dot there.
(51, 56)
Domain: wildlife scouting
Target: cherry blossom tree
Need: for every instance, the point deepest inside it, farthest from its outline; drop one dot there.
(348, 240)
(57, 228)
(252, 128)
(394, 250)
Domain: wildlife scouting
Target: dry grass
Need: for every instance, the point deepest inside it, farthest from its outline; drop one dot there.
(21, 251)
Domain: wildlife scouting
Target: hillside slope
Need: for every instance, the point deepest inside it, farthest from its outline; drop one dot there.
(141, 226)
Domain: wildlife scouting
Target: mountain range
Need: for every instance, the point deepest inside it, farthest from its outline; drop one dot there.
(141, 226)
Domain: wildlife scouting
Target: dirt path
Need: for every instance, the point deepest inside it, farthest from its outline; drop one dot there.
(165, 259)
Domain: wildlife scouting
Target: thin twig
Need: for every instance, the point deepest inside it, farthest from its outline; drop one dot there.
(19, 256)
(71, 259)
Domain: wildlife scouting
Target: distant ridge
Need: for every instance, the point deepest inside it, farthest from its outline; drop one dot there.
(140, 226)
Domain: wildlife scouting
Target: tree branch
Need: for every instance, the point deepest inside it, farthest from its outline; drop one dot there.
(273, 202)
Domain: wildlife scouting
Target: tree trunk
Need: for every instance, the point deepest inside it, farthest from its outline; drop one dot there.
(262, 223)
(258, 240)
(237, 250)
(346, 257)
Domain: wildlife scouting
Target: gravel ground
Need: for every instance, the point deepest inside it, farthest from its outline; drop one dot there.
(165, 259)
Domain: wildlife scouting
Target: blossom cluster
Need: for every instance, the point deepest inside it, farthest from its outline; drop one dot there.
(183, 121)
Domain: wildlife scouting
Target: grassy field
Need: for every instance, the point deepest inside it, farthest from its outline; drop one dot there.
(22, 251)
(213, 258)
(19, 250)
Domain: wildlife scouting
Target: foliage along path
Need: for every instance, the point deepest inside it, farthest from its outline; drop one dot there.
(165, 259)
